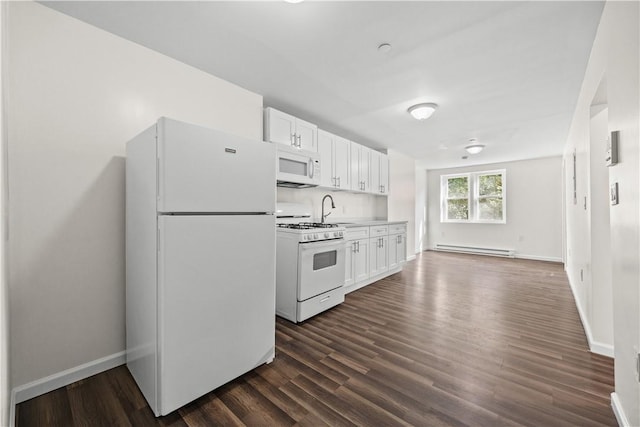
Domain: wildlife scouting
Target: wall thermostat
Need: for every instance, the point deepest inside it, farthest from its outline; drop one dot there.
(612, 148)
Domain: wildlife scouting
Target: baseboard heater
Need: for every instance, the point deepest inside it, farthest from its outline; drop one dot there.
(508, 253)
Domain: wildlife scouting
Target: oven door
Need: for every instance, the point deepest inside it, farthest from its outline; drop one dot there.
(320, 267)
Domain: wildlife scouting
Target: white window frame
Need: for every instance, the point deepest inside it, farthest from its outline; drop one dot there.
(473, 178)
(444, 191)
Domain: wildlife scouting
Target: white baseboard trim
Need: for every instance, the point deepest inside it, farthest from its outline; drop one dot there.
(594, 346)
(538, 257)
(52, 382)
(12, 409)
(411, 257)
(600, 348)
(623, 421)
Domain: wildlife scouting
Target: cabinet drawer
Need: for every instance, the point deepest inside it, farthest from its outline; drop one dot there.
(320, 303)
(379, 230)
(397, 228)
(356, 233)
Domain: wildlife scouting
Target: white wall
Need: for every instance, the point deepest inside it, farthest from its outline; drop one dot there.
(401, 202)
(348, 205)
(615, 57)
(421, 210)
(76, 95)
(534, 211)
(599, 301)
(5, 390)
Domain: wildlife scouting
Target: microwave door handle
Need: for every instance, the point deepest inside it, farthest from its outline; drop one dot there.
(311, 168)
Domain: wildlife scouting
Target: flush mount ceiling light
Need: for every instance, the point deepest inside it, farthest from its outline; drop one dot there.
(294, 1)
(474, 147)
(384, 48)
(422, 111)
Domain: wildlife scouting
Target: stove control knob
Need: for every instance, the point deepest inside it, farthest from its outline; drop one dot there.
(315, 236)
(326, 235)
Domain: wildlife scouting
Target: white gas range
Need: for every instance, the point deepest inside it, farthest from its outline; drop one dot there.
(310, 264)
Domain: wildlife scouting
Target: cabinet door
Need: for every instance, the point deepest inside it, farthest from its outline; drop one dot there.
(379, 258)
(361, 264)
(384, 174)
(374, 158)
(307, 134)
(364, 164)
(354, 173)
(325, 149)
(402, 249)
(279, 127)
(394, 247)
(383, 255)
(349, 271)
(341, 162)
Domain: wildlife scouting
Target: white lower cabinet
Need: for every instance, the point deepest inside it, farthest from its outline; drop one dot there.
(373, 253)
(379, 259)
(379, 253)
(357, 256)
(397, 250)
(397, 245)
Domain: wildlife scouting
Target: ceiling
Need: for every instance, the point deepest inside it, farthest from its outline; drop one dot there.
(506, 73)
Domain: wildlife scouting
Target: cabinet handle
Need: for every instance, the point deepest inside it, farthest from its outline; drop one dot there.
(339, 185)
(292, 138)
(299, 141)
(334, 181)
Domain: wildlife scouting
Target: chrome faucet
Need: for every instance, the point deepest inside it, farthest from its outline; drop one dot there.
(333, 206)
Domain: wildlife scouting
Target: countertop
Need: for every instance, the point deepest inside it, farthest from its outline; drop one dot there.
(367, 223)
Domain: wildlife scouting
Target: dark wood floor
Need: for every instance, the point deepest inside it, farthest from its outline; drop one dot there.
(453, 340)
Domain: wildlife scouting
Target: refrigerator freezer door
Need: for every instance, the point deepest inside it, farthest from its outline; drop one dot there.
(216, 302)
(204, 170)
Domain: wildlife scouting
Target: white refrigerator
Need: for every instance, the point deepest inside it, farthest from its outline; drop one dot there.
(200, 260)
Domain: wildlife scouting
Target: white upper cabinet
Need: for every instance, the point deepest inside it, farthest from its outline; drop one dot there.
(379, 173)
(334, 160)
(325, 149)
(286, 129)
(375, 171)
(384, 174)
(307, 135)
(341, 161)
(360, 164)
(344, 164)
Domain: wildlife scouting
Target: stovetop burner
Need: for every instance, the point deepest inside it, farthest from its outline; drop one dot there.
(307, 225)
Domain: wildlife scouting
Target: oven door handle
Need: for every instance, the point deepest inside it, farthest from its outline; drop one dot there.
(321, 244)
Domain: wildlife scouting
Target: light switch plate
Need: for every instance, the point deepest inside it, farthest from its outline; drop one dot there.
(612, 148)
(614, 193)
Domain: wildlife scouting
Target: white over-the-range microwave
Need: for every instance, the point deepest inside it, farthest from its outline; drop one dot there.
(297, 168)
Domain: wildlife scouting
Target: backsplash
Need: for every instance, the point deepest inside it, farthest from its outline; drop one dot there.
(348, 205)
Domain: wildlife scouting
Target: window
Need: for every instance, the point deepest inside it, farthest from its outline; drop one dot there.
(474, 197)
